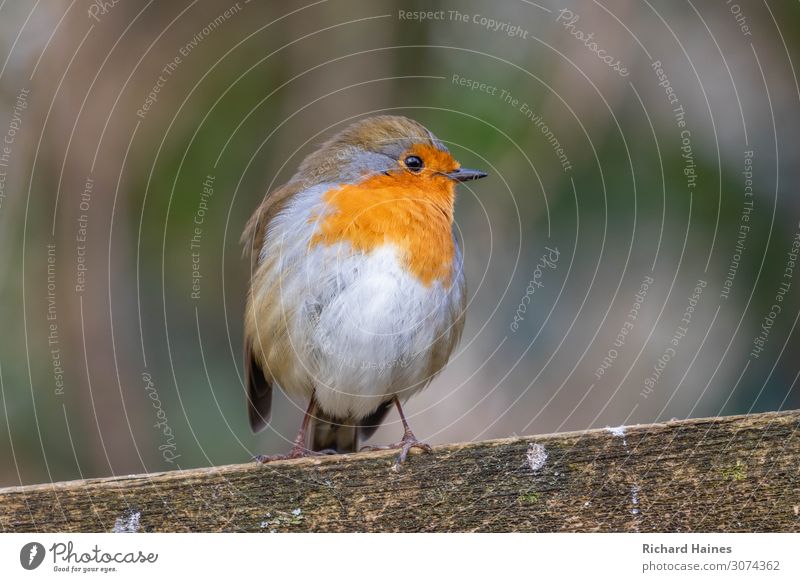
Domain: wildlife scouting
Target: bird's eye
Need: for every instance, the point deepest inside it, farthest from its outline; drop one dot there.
(413, 163)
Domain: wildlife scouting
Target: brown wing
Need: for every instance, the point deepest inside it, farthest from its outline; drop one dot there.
(253, 236)
(259, 388)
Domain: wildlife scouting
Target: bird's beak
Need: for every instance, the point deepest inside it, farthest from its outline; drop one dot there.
(465, 174)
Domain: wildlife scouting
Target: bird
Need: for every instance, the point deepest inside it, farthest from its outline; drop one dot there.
(357, 292)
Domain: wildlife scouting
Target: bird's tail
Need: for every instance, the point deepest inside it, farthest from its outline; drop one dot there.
(329, 434)
(343, 436)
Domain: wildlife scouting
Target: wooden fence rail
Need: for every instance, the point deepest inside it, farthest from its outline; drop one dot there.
(739, 473)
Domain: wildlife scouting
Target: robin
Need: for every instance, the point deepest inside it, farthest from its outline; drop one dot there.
(357, 295)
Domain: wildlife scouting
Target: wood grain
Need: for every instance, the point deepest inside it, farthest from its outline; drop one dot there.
(715, 474)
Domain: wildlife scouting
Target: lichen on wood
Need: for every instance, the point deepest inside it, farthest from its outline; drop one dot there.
(722, 474)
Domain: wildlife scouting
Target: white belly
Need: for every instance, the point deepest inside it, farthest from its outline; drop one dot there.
(367, 332)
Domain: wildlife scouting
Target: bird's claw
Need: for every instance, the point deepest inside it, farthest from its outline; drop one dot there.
(407, 445)
(408, 442)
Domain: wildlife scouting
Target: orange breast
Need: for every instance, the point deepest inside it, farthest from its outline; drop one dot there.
(412, 212)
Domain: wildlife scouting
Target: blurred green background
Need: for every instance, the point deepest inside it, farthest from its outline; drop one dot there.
(114, 116)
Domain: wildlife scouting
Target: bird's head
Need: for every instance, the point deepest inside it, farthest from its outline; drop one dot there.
(398, 149)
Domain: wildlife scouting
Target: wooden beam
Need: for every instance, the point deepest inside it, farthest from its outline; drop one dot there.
(738, 473)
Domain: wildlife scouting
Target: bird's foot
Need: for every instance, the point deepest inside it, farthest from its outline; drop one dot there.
(297, 452)
(408, 442)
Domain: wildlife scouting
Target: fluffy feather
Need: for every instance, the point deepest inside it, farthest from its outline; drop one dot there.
(357, 293)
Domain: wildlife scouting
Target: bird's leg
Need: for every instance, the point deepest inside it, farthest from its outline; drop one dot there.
(408, 442)
(299, 448)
